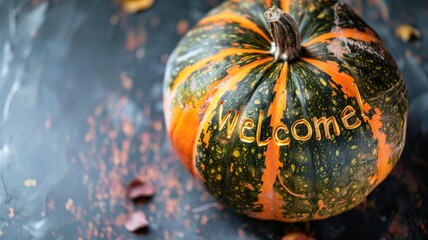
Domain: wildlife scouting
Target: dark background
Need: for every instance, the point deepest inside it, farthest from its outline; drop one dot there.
(81, 115)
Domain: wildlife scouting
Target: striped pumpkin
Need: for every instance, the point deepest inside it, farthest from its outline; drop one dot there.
(288, 115)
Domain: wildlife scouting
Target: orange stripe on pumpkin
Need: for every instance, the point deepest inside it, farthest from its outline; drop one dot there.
(384, 150)
(345, 33)
(230, 17)
(228, 83)
(268, 197)
(181, 135)
(348, 87)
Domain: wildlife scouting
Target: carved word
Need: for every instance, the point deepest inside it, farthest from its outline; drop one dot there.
(329, 124)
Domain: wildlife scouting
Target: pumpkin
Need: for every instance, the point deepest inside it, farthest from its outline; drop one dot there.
(285, 110)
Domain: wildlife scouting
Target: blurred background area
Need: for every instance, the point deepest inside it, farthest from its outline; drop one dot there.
(81, 116)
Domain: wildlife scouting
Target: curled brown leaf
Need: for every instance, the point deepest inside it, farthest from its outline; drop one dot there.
(138, 188)
(136, 222)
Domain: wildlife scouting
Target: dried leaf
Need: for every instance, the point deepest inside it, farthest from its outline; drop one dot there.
(133, 6)
(137, 221)
(407, 33)
(139, 189)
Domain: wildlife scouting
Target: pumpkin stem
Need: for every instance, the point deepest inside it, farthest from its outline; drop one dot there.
(285, 34)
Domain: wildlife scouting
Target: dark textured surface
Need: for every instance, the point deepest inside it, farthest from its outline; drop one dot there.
(81, 115)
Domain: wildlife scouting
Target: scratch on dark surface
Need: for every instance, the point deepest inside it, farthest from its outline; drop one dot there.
(206, 207)
(13, 91)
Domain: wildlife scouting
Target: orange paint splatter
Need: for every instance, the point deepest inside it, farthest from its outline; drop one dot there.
(127, 128)
(241, 233)
(182, 27)
(127, 82)
(131, 40)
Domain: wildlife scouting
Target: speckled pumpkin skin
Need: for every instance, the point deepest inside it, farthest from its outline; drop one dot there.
(224, 64)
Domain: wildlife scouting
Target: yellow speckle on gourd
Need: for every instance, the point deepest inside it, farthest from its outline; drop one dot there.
(321, 15)
(236, 154)
(311, 7)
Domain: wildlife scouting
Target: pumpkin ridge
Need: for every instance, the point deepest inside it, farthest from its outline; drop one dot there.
(237, 73)
(329, 16)
(268, 69)
(267, 195)
(332, 69)
(297, 81)
(176, 123)
(348, 87)
(393, 90)
(323, 201)
(384, 149)
(228, 16)
(189, 70)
